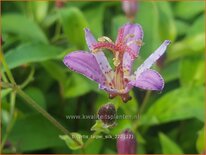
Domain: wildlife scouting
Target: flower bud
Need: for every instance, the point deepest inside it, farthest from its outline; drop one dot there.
(107, 114)
(130, 8)
(126, 143)
(59, 3)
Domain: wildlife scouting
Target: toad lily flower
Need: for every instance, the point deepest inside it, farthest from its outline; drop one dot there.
(120, 80)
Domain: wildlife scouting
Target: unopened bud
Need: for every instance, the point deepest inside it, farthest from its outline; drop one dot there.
(130, 8)
(107, 114)
(126, 143)
(59, 3)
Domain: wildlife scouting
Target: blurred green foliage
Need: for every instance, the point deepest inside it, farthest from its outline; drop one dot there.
(37, 35)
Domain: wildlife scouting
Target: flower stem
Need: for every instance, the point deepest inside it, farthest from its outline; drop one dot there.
(11, 119)
(91, 138)
(31, 102)
(144, 102)
(29, 78)
(6, 68)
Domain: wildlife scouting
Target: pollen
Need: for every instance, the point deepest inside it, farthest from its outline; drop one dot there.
(105, 39)
(128, 36)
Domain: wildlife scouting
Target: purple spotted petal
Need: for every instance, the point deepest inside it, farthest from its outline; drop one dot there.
(152, 58)
(100, 57)
(149, 80)
(89, 38)
(134, 43)
(115, 91)
(86, 64)
(131, 29)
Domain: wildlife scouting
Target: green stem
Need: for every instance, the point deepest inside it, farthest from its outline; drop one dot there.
(91, 138)
(11, 119)
(144, 102)
(31, 102)
(38, 108)
(6, 85)
(29, 78)
(12, 106)
(6, 68)
(4, 77)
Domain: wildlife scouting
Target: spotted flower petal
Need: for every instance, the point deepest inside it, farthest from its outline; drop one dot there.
(131, 35)
(149, 80)
(116, 91)
(152, 58)
(86, 64)
(100, 56)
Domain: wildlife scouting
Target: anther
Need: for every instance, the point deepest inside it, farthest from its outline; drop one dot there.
(137, 42)
(104, 39)
(128, 36)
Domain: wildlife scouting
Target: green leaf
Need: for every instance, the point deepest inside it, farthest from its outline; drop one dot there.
(193, 44)
(168, 146)
(95, 24)
(200, 144)
(149, 20)
(29, 53)
(182, 27)
(33, 132)
(117, 22)
(70, 142)
(73, 22)
(186, 47)
(56, 71)
(197, 29)
(23, 27)
(166, 20)
(188, 10)
(39, 9)
(169, 72)
(76, 85)
(94, 147)
(192, 71)
(5, 92)
(182, 103)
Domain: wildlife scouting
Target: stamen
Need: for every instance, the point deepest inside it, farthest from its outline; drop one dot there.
(120, 35)
(104, 39)
(128, 36)
(137, 42)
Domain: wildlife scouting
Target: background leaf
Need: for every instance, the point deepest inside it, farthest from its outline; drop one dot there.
(196, 68)
(73, 22)
(167, 29)
(200, 144)
(22, 27)
(31, 52)
(39, 134)
(39, 9)
(179, 104)
(168, 146)
(149, 21)
(70, 142)
(188, 10)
